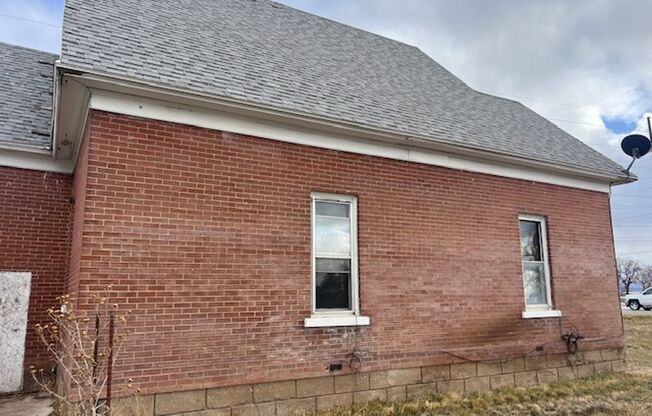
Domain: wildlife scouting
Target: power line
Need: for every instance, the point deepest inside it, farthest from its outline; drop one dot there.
(633, 217)
(509, 96)
(24, 19)
(631, 196)
(602, 145)
(582, 107)
(645, 191)
(539, 100)
(576, 122)
(638, 253)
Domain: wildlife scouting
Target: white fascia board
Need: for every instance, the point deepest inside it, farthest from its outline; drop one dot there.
(269, 129)
(26, 159)
(121, 85)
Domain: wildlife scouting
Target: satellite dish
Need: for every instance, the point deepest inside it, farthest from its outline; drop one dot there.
(636, 145)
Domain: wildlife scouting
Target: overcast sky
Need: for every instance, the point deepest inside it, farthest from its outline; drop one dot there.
(585, 65)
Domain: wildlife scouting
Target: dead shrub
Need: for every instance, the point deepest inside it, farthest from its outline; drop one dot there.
(83, 350)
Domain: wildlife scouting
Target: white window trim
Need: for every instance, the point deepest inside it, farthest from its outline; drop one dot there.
(543, 310)
(350, 317)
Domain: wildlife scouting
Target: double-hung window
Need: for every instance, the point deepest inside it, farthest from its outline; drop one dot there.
(536, 270)
(334, 262)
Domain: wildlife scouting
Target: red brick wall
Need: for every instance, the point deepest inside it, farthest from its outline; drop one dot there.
(206, 238)
(34, 237)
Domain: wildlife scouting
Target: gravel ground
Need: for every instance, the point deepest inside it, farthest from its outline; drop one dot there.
(25, 405)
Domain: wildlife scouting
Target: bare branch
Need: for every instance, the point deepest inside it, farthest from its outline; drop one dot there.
(69, 337)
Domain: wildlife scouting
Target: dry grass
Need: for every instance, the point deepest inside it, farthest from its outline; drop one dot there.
(617, 394)
(638, 333)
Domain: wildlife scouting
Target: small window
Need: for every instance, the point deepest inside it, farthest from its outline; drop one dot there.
(648, 292)
(534, 255)
(334, 260)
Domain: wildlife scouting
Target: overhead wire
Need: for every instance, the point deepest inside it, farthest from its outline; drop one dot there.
(25, 19)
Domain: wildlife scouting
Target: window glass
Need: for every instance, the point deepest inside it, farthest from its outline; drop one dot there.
(535, 284)
(333, 265)
(332, 235)
(332, 209)
(332, 239)
(530, 241)
(535, 281)
(333, 284)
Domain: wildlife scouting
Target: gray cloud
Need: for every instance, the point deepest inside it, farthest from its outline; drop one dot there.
(573, 62)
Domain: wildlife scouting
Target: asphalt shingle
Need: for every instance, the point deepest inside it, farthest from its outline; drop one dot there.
(26, 96)
(264, 53)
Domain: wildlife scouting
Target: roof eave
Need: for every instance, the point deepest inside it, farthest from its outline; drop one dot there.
(111, 82)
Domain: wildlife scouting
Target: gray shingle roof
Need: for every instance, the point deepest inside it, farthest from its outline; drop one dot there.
(261, 52)
(26, 89)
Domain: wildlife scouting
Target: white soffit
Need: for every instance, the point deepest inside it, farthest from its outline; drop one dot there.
(43, 161)
(70, 117)
(265, 128)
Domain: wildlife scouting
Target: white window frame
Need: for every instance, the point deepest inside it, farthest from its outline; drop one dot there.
(542, 310)
(348, 317)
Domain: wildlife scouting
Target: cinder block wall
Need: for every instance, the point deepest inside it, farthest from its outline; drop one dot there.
(305, 396)
(205, 236)
(34, 237)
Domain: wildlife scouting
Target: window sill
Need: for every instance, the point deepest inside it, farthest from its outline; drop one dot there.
(322, 321)
(541, 314)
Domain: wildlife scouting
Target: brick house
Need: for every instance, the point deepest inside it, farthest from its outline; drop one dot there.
(300, 214)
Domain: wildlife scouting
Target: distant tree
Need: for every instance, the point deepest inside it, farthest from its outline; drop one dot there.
(645, 276)
(629, 271)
